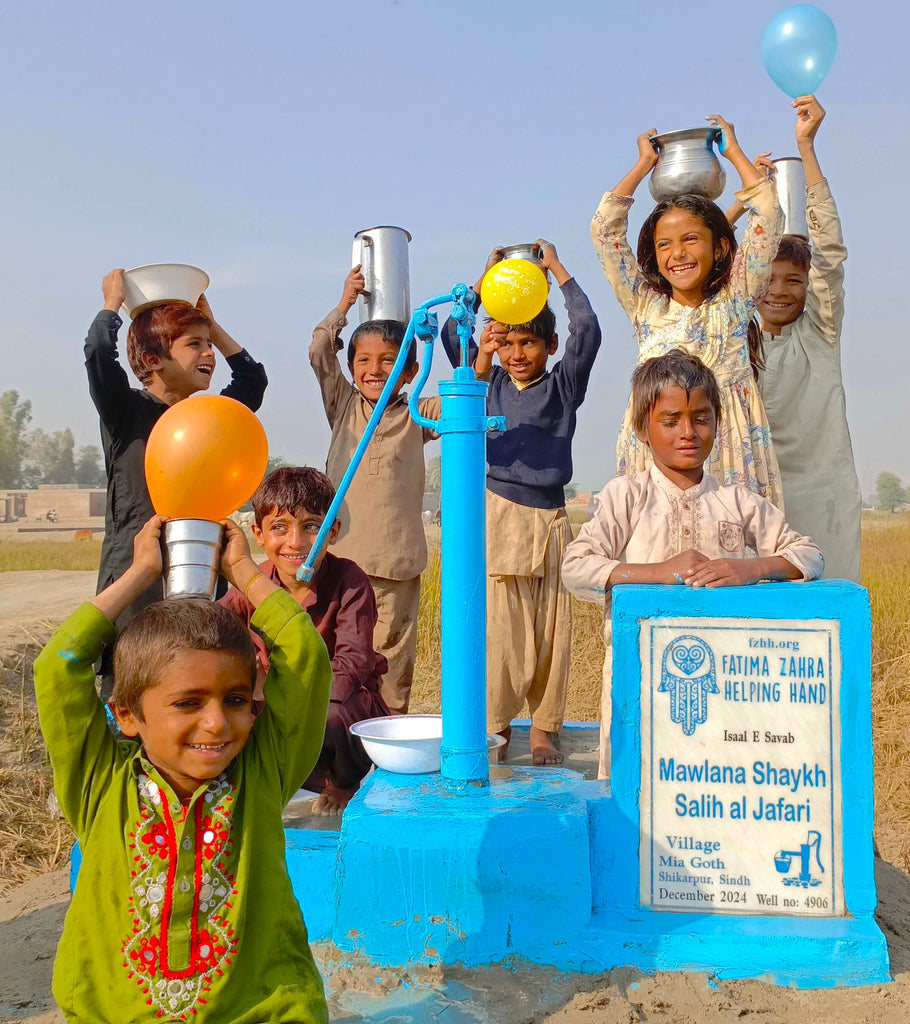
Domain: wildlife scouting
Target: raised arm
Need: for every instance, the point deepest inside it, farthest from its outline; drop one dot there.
(825, 294)
(766, 166)
(108, 382)
(609, 229)
(287, 736)
(451, 343)
(326, 345)
(82, 749)
(574, 369)
(146, 567)
(248, 378)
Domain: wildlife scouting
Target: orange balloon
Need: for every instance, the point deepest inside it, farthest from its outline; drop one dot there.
(204, 458)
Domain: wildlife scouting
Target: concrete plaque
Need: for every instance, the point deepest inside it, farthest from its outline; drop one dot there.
(740, 770)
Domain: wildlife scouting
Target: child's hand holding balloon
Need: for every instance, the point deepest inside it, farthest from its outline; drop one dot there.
(493, 337)
(809, 115)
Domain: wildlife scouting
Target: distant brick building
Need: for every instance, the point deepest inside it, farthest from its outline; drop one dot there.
(69, 501)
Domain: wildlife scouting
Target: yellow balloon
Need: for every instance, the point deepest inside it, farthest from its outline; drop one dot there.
(204, 458)
(514, 291)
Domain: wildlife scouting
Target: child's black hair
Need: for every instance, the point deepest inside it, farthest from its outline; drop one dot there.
(290, 488)
(391, 331)
(714, 219)
(675, 369)
(796, 250)
(542, 326)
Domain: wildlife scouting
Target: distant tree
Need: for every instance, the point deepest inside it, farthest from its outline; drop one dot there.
(15, 417)
(889, 493)
(49, 458)
(571, 491)
(433, 484)
(89, 472)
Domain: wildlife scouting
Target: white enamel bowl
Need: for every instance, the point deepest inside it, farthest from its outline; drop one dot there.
(162, 282)
(406, 744)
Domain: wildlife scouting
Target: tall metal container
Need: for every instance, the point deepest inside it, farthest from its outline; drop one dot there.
(192, 554)
(790, 178)
(382, 253)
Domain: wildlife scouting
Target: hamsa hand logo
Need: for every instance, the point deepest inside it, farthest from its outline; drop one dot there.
(688, 675)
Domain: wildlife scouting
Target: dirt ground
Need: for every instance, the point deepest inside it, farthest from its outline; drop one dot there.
(27, 598)
(31, 918)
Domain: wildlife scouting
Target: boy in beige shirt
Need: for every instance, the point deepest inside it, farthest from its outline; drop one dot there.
(673, 523)
(381, 524)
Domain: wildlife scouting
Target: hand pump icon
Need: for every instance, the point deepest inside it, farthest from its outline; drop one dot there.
(783, 860)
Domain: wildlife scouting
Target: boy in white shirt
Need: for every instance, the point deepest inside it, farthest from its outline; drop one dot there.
(672, 523)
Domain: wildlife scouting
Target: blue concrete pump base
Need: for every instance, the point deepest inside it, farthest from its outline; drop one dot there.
(503, 875)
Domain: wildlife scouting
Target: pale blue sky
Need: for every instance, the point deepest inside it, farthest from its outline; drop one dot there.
(255, 139)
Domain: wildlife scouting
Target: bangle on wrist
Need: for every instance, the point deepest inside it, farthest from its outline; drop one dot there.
(246, 589)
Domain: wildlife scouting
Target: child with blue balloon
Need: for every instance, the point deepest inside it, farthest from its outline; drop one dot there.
(802, 386)
(692, 288)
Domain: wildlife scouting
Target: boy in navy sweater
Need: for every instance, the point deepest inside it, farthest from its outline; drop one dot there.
(529, 612)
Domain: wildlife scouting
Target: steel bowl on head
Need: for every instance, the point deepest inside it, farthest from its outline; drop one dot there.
(158, 283)
(406, 744)
(687, 164)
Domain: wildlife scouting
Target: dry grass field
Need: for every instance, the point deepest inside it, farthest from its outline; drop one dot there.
(886, 574)
(33, 841)
(75, 556)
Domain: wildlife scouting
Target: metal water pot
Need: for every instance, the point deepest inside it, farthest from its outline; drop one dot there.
(687, 164)
(790, 179)
(522, 251)
(382, 253)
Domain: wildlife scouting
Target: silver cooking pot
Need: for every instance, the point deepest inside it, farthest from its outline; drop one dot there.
(687, 164)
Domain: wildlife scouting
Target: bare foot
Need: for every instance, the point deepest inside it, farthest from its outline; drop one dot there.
(500, 753)
(544, 747)
(332, 800)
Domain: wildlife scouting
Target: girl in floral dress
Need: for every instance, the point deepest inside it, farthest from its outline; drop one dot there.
(693, 288)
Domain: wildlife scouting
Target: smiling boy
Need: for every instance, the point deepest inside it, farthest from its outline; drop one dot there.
(183, 908)
(171, 350)
(673, 523)
(381, 525)
(801, 381)
(529, 611)
(290, 506)
(802, 384)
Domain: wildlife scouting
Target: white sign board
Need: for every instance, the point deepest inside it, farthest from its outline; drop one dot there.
(740, 779)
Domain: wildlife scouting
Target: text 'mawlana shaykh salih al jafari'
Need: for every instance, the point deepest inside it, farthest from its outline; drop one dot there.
(740, 784)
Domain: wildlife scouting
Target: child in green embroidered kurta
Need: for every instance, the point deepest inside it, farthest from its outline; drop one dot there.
(184, 909)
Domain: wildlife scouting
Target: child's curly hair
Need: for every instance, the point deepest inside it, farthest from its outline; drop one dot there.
(714, 219)
(154, 331)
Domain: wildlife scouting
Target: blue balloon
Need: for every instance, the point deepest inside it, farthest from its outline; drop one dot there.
(798, 49)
